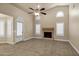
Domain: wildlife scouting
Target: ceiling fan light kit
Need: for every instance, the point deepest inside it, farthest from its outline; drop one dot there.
(36, 14)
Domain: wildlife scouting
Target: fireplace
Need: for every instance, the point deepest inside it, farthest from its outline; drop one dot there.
(48, 34)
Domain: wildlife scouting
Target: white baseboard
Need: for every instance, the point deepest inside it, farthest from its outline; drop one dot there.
(74, 47)
(12, 43)
(70, 44)
(48, 38)
(8, 42)
(3, 42)
(42, 38)
(61, 40)
(37, 37)
(45, 38)
(27, 38)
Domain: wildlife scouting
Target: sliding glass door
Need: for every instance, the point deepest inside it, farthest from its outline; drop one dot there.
(19, 31)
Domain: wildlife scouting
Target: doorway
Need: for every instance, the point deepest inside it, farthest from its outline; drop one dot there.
(19, 30)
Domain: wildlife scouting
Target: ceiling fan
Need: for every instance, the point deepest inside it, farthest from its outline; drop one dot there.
(37, 11)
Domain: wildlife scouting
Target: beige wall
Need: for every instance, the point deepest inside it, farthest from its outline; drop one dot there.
(15, 12)
(74, 26)
(49, 21)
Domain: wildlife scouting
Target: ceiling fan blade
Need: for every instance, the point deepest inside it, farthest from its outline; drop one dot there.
(31, 8)
(43, 13)
(42, 9)
(30, 12)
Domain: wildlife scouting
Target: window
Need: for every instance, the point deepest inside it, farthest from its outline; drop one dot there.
(2, 28)
(19, 28)
(37, 25)
(60, 14)
(60, 29)
(37, 28)
(6, 26)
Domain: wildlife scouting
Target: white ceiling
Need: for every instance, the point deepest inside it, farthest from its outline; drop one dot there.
(25, 6)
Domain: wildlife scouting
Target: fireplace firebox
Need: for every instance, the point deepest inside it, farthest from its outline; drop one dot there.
(48, 34)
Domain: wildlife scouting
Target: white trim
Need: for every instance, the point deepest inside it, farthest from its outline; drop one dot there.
(3, 42)
(69, 43)
(12, 43)
(48, 38)
(74, 47)
(37, 37)
(8, 42)
(43, 38)
(19, 41)
(27, 39)
(62, 40)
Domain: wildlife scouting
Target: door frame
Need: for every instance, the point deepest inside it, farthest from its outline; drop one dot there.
(19, 38)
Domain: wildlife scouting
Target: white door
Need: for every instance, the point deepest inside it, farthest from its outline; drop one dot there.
(19, 31)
